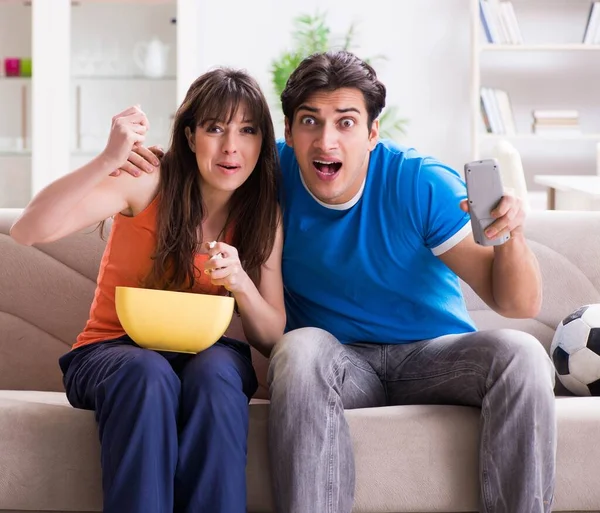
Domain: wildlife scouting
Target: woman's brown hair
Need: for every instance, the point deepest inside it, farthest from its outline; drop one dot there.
(253, 207)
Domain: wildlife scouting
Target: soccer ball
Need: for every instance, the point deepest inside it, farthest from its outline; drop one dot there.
(575, 351)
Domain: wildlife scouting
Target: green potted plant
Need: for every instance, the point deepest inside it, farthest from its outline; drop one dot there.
(311, 34)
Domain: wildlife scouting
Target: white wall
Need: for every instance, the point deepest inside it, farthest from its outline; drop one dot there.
(426, 41)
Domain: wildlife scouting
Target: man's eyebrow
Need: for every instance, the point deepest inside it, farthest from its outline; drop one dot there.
(308, 108)
(316, 110)
(348, 109)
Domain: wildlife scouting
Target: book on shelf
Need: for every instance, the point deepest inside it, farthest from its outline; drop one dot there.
(591, 35)
(556, 122)
(499, 22)
(496, 112)
(558, 114)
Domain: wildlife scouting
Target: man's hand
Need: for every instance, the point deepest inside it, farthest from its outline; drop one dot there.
(506, 277)
(141, 160)
(509, 216)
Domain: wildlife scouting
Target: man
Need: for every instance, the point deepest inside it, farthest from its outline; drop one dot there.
(376, 239)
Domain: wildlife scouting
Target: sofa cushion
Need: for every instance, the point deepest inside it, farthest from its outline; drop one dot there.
(49, 456)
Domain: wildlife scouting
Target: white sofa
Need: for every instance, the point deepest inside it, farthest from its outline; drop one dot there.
(409, 458)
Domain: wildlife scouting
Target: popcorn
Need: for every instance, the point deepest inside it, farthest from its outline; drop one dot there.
(211, 245)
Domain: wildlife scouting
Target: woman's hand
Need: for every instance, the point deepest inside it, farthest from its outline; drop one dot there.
(128, 130)
(225, 268)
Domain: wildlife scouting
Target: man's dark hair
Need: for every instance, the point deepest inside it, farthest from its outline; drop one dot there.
(330, 71)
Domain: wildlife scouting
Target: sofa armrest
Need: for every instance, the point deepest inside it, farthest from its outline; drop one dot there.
(45, 296)
(567, 245)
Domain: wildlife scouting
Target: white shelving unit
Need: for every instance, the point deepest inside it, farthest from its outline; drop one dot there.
(105, 78)
(15, 106)
(540, 74)
(544, 137)
(60, 117)
(575, 47)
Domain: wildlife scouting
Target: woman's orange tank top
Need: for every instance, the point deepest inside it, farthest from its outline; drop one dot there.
(126, 261)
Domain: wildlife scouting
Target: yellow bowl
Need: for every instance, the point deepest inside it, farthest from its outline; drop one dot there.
(172, 321)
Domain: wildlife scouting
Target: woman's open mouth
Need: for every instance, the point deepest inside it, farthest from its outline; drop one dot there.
(327, 169)
(229, 169)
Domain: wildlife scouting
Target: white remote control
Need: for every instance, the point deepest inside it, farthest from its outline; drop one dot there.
(484, 191)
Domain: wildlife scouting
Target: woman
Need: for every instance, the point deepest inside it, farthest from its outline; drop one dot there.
(173, 427)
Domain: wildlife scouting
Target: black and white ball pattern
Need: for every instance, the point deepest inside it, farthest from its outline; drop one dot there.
(575, 351)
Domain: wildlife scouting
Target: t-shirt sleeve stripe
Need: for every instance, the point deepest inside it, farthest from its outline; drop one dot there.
(453, 240)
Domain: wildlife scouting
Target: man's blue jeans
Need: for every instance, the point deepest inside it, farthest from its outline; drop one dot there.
(506, 373)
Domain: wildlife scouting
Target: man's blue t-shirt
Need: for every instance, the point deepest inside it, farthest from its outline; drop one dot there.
(367, 271)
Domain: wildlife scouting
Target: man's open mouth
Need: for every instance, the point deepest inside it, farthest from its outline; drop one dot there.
(327, 167)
